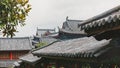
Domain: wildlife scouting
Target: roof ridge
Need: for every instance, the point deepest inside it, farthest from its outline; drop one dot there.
(44, 46)
(17, 38)
(47, 29)
(99, 16)
(75, 20)
(22, 43)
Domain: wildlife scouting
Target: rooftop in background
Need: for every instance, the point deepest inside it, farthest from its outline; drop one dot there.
(47, 40)
(72, 25)
(70, 30)
(45, 29)
(44, 32)
(15, 44)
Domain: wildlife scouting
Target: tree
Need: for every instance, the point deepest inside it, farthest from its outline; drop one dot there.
(40, 44)
(12, 14)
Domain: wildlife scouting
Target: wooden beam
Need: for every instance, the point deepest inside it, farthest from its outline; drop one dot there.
(103, 30)
(74, 59)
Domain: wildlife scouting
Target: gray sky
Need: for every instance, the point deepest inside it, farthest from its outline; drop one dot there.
(52, 13)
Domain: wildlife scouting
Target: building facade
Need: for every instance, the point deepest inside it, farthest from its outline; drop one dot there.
(12, 48)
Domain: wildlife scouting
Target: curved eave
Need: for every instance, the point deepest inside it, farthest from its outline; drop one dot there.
(72, 32)
(102, 15)
(67, 55)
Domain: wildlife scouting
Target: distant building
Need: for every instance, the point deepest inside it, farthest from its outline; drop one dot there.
(70, 30)
(44, 40)
(44, 32)
(12, 48)
(45, 36)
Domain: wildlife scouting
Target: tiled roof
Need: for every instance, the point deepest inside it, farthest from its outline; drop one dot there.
(47, 39)
(42, 31)
(16, 63)
(21, 43)
(71, 26)
(81, 47)
(29, 58)
(72, 32)
(6, 63)
(45, 29)
(107, 18)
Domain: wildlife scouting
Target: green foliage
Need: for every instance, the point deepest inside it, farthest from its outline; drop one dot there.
(41, 44)
(12, 14)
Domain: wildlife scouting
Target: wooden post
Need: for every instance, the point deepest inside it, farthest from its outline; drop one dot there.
(11, 56)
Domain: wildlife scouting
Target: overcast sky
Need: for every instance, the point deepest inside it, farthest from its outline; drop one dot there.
(52, 13)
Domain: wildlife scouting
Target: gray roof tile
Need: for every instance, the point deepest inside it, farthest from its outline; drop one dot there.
(101, 19)
(71, 26)
(6, 63)
(42, 31)
(7, 44)
(29, 58)
(86, 45)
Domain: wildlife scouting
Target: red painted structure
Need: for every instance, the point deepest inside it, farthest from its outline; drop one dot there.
(11, 55)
